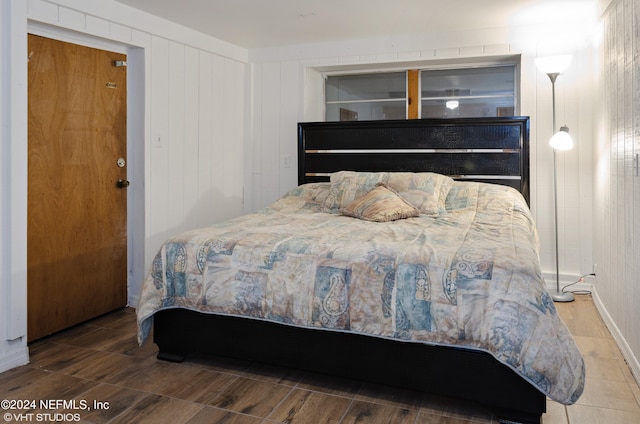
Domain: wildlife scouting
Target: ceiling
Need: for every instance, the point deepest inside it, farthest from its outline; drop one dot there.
(270, 23)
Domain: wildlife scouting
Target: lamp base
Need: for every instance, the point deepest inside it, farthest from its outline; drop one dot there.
(558, 296)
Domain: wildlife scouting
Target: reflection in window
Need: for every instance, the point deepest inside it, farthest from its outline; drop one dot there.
(468, 92)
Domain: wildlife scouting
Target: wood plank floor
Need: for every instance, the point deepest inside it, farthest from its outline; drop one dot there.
(100, 361)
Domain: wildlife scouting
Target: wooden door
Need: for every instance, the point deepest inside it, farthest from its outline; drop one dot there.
(76, 223)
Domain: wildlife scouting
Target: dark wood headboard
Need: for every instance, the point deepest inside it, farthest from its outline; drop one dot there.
(493, 150)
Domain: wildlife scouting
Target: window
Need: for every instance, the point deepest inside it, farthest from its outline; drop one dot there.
(439, 93)
(468, 92)
(366, 97)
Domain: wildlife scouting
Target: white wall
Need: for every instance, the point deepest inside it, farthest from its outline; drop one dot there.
(13, 183)
(617, 178)
(186, 134)
(286, 91)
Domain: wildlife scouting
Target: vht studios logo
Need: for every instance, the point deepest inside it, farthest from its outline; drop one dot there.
(70, 408)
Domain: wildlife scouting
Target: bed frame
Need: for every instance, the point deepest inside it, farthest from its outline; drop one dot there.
(493, 150)
(481, 149)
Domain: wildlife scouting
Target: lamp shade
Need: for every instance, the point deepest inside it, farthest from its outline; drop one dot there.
(562, 139)
(553, 64)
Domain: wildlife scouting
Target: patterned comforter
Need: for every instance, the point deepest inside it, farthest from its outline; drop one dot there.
(468, 277)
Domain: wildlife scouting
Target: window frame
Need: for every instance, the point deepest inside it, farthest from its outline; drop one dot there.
(413, 100)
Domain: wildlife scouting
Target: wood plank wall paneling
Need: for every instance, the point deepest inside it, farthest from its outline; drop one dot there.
(190, 193)
(205, 132)
(158, 153)
(271, 123)
(635, 319)
(197, 141)
(177, 142)
(290, 108)
(617, 233)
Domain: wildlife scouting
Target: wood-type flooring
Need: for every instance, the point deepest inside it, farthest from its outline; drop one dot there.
(100, 361)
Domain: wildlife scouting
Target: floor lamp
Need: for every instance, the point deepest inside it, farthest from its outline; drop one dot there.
(561, 140)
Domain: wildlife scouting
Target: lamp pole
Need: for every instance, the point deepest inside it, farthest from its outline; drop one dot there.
(558, 296)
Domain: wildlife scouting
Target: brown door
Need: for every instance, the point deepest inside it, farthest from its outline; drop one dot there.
(76, 223)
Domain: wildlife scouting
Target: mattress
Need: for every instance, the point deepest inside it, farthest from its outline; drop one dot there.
(450, 263)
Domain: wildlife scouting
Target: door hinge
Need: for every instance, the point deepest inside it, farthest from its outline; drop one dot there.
(119, 63)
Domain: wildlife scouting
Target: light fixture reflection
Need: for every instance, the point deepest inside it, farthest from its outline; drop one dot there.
(452, 104)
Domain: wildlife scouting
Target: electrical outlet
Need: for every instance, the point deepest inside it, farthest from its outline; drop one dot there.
(286, 161)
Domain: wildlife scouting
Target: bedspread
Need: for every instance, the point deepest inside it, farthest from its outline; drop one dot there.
(469, 277)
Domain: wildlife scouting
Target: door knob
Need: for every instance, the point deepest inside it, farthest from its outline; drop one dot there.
(123, 183)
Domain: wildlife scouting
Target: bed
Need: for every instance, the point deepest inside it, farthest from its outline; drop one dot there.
(406, 256)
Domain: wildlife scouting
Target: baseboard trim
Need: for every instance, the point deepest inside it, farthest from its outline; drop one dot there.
(15, 359)
(624, 347)
(572, 287)
(571, 283)
(132, 300)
